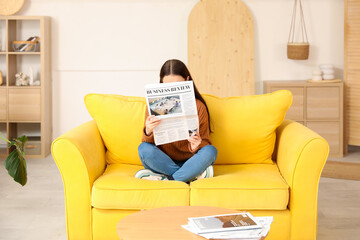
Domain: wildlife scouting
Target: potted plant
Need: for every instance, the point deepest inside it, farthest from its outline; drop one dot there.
(15, 163)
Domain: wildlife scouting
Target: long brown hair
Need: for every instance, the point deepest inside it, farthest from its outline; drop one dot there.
(177, 67)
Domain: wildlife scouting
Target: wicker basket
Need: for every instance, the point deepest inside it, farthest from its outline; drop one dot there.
(298, 51)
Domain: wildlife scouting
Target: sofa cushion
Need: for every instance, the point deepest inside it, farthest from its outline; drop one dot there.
(244, 127)
(120, 120)
(242, 186)
(118, 189)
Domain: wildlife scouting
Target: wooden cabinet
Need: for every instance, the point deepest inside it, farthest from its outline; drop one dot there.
(318, 106)
(24, 105)
(26, 110)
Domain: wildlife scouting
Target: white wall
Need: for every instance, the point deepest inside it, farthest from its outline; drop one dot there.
(117, 46)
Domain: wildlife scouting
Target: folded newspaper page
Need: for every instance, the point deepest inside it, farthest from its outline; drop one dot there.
(225, 222)
(240, 234)
(173, 103)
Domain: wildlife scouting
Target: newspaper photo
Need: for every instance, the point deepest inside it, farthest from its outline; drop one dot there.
(173, 103)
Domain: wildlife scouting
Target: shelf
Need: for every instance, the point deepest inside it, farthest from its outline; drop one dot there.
(25, 122)
(24, 87)
(20, 53)
(14, 17)
(26, 110)
(22, 62)
(23, 53)
(33, 133)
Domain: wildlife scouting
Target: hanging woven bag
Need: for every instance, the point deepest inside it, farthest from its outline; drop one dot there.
(298, 50)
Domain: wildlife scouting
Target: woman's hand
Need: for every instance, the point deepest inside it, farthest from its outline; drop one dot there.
(194, 140)
(150, 123)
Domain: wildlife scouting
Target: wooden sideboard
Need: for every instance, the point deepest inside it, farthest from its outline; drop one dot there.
(318, 106)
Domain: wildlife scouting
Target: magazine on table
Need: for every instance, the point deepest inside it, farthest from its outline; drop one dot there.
(175, 104)
(257, 232)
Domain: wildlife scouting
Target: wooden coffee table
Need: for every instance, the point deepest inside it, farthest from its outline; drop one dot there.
(164, 223)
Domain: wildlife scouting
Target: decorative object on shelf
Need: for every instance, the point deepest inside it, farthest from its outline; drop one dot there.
(32, 82)
(10, 7)
(328, 71)
(298, 50)
(317, 75)
(15, 162)
(1, 78)
(30, 45)
(21, 79)
(36, 83)
(31, 76)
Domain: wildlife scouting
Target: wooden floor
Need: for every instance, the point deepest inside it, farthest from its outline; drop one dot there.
(36, 211)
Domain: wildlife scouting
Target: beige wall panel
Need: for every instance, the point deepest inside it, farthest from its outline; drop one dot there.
(352, 71)
(221, 47)
(296, 111)
(24, 105)
(330, 131)
(323, 103)
(3, 104)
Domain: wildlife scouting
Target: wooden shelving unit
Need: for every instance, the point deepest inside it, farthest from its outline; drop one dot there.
(318, 106)
(26, 110)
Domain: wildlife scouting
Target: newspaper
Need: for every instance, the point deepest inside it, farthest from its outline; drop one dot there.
(240, 234)
(173, 103)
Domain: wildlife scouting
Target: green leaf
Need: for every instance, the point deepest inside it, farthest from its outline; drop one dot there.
(2, 137)
(15, 163)
(9, 160)
(12, 143)
(22, 139)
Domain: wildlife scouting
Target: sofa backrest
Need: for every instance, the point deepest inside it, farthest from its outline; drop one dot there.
(243, 127)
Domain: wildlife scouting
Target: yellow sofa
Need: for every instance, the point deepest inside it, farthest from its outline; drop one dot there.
(266, 165)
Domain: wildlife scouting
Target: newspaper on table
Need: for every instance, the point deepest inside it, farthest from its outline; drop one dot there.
(241, 226)
(173, 103)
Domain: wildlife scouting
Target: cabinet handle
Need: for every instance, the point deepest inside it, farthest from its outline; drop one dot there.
(30, 146)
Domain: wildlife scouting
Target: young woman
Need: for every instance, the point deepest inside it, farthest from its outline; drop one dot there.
(184, 160)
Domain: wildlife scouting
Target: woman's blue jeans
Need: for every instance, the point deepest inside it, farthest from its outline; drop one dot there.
(157, 161)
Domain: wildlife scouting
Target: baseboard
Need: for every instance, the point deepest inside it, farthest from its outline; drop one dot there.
(342, 170)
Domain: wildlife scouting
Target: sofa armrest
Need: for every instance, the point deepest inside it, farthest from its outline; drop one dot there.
(80, 157)
(301, 155)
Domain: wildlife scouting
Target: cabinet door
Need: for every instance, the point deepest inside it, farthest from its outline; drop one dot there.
(3, 104)
(296, 110)
(24, 105)
(331, 132)
(323, 103)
